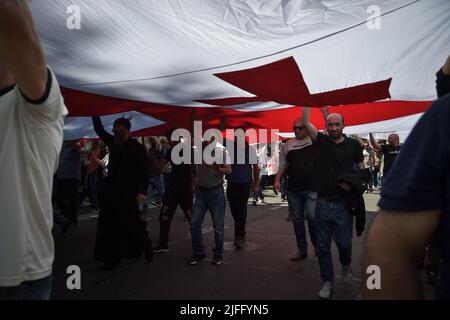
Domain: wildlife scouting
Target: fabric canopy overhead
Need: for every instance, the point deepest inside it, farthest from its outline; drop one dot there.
(82, 127)
(163, 58)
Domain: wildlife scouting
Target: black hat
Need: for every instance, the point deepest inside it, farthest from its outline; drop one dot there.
(123, 122)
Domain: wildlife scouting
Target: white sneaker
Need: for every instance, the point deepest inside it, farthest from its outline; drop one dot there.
(347, 274)
(326, 291)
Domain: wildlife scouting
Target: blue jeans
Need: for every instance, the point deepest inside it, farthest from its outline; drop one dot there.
(333, 221)
(301, 203)
(262, 186)
(155, 182)
(29, 290)
(92, 188)
(214, 201)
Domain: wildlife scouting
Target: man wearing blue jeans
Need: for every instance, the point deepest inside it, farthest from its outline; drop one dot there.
(32, 115)
(210, 196)
(297, 159)
(336, 154)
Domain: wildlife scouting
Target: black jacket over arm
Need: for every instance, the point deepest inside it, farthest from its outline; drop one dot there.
(353, 199)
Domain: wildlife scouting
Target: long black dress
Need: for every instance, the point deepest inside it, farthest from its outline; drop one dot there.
(120, 228)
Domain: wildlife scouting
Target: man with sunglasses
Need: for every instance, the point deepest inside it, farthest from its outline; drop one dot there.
(297, 161)
(336, 154)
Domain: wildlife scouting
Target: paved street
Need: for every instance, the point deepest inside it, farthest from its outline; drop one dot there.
(262, 270)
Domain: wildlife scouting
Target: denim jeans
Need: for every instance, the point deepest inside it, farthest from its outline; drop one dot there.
(301, 203)
(155, 182)
(29, 290)
(214, 201)
(333, 221)
(262, 186)
(92, 188)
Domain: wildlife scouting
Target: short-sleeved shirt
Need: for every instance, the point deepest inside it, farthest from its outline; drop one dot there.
(298, 158)
(243, 159)
(158, 156)
(367, 159)
(31, 136)
(333, 159)
(182, 174)
(390, 153)
(420, 177)
(208, 176)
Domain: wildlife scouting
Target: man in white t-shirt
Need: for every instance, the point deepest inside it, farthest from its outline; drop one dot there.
(31, 135)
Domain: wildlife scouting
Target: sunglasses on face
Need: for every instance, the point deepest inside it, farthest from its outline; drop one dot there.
(298, 128)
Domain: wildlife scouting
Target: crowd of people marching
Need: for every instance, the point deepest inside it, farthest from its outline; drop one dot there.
(324, 175)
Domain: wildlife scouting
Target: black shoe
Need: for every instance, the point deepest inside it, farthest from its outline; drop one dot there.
(239, 242)
(160, 248)
(299, 256)
(216, 260)
(196, 259)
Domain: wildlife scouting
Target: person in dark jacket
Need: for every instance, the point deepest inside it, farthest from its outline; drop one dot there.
(415, 208)
(120, 229)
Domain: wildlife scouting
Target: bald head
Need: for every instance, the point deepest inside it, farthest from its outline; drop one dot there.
(394, 139)
(298, 128)
(334, 118)
(298, 122)
(335, 125)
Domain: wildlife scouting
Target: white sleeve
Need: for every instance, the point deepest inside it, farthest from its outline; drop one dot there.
(47, 110)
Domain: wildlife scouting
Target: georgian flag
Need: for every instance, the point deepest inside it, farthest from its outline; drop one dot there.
(254, 62)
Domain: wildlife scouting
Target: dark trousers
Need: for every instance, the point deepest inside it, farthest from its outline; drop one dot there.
(67, 198)
(93, 189)
(369, 174)
(237, 195)
(172, 198)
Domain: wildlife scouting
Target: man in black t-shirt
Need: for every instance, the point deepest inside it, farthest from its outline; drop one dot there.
(336, 155)
(297, 161)
(390, 151)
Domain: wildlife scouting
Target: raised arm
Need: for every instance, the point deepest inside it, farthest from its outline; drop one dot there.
(312, 131)
(107, 138)
(21, 50)
(374, 143)
(325, 113)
